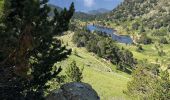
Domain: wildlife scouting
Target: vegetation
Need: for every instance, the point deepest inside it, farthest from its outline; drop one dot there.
(149, 17)
(106, 48)
(108, 82)
(149, 83)
(84, 16)
(37, 40)
(147, 22)
(28, 50)
(74, 73)
(144, 40)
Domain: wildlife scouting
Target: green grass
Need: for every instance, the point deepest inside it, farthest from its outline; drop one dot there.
(151, 54)
(100, 74)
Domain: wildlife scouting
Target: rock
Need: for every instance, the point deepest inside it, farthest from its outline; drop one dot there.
(74, 91)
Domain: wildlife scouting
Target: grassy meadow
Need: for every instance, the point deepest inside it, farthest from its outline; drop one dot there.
(100, 74)
(150, 53)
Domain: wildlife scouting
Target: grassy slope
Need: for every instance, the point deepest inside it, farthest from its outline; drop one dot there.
(151, 54)
(97, 72)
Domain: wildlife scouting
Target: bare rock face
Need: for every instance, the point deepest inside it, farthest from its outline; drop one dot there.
(74, 91)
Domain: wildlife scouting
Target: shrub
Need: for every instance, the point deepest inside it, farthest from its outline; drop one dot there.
(163, 41)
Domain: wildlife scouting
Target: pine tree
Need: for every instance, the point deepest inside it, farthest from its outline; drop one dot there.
(27, 45)
(74, 73)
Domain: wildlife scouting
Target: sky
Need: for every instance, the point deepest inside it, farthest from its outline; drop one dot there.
(87, 5)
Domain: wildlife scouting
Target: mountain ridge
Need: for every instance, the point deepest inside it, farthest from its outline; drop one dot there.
(98, 11)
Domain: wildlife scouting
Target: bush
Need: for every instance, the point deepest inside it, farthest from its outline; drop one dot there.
(135, 26)
(145, 40)
(139, 48)
(163, 41)
(161, 53)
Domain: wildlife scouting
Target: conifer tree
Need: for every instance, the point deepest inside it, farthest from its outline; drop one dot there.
(28, 50)
(74, 73)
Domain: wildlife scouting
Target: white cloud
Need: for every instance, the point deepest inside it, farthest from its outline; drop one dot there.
(89, 3)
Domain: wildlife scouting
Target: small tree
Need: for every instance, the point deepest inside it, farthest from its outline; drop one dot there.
(74, 73)
(139, 48)
(163, 41)
(75, 52)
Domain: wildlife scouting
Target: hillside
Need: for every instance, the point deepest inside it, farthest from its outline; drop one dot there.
(102, 75)
(83, 16)
(98, 11)
(139, 8)
(146, 18)
(147, 22)
(55, 7)
(46, 50)
(77, 15)
(155, 14)
(140, 19)
(52, 9)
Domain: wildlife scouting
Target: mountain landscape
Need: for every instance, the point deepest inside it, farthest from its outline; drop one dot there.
(153, 13)
(52, 7)
(150, 17)
(77, 15)
(108, 53)
(98, 11)
(147, 23)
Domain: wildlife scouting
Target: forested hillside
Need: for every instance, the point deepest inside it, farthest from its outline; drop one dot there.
(143, 15)
(126, 10)
(148, 24)
(83, 16)
(99, 11)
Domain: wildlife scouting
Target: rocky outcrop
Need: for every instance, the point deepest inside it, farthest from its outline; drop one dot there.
(74, 91)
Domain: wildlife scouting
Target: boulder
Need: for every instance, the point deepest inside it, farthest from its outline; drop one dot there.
(74, 91)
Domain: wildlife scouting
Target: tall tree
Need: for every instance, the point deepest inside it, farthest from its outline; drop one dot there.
(28, 50)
